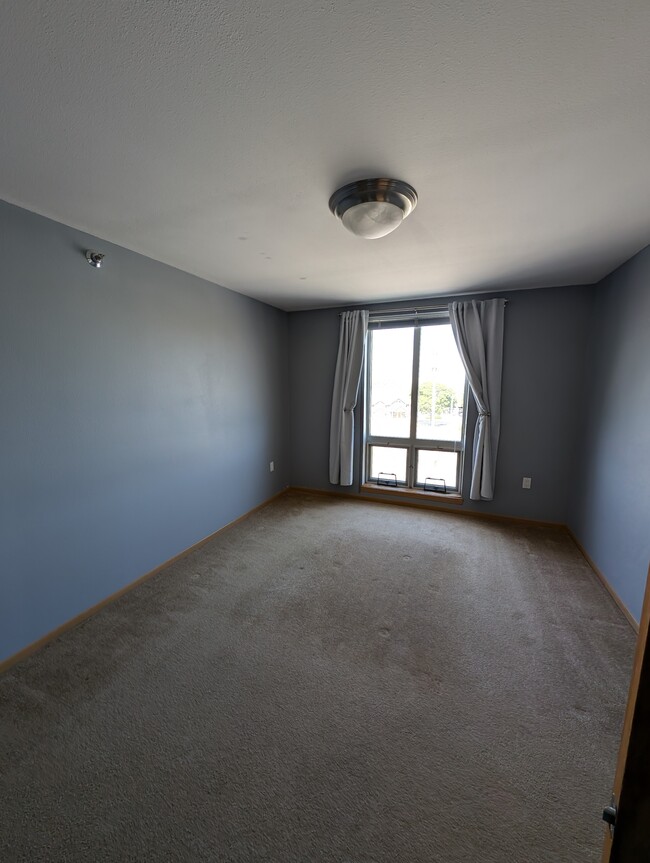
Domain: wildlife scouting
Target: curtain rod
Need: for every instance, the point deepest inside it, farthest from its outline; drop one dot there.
(404, 309)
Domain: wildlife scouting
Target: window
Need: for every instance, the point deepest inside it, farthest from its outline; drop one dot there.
(416, 399)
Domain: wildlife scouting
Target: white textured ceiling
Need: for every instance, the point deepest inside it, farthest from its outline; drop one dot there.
(210, 135)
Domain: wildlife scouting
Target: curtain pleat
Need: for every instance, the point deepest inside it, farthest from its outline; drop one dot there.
(349, 363)
(478, 331)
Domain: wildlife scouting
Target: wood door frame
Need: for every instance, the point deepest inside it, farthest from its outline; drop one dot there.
(628, 792)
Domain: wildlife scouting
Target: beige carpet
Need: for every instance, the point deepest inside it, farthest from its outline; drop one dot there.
(327, 681)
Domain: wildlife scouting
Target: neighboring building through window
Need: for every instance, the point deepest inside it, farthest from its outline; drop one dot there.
(416, 402)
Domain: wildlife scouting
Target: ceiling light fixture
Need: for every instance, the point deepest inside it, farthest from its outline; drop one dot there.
(373, 208)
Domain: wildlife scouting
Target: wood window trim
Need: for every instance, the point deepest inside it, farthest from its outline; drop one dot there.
(412, 493)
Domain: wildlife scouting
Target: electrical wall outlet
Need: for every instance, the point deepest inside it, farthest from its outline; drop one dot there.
(271, 466)
(526, 482)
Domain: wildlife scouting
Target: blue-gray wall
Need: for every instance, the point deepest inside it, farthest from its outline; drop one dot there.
(544, 365)
(140, 409)
(610, 514)
(141, 406)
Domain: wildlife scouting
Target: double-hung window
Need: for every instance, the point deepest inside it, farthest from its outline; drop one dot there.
(415, 405)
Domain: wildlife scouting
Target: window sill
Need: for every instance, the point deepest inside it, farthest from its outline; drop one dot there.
(412, 493)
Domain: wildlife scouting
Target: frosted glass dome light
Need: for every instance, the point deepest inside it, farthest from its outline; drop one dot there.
(373, 208)
(372, 219)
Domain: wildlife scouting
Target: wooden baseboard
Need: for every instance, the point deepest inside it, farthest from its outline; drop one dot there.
(452, 508)
(89, 612)
(605, 583)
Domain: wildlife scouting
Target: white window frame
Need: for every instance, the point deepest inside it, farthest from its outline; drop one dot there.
(412, 444)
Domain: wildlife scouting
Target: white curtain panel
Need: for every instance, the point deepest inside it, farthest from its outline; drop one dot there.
(478, 330)
(349, 363)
